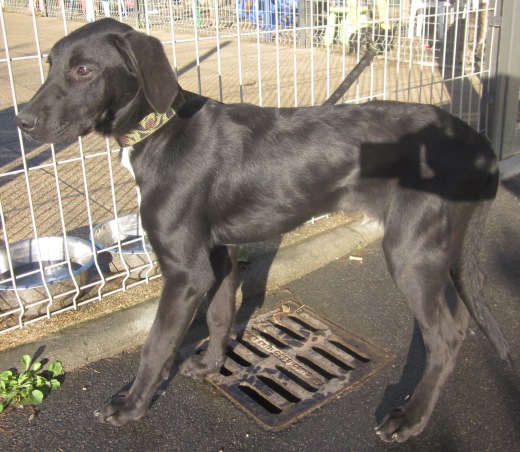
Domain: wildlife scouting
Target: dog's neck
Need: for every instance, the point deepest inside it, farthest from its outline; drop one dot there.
(146, 127)
(150, 123)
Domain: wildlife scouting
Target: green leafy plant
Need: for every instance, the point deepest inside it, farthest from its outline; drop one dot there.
(243, 256)
(29, 387)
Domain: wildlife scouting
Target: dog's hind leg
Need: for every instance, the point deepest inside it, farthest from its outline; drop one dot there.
(220, 316)
(420, 268)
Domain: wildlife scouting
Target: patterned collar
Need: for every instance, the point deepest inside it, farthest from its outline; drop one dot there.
(148, 125)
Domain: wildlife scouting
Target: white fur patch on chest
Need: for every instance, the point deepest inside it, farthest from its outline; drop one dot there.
(124, 158)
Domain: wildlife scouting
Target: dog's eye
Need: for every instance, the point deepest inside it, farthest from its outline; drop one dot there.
(83, 71)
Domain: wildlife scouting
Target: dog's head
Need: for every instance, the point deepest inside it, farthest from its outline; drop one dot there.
(102, 77)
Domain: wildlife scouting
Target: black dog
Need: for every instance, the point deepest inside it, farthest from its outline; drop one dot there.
(211, 175)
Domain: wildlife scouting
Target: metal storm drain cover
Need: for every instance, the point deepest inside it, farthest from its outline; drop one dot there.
(290, 361)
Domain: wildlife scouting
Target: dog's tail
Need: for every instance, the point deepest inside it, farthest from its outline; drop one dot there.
(468, 279)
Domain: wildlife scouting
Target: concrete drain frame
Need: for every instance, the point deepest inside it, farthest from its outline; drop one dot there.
(290, 361)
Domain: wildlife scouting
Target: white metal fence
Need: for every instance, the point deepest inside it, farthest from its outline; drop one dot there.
(65, 209)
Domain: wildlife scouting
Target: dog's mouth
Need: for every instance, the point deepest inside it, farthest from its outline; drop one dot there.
(63, 133)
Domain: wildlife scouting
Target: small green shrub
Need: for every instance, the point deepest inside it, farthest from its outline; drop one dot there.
(29, 387)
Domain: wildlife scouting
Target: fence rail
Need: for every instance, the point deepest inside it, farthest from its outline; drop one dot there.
(333, 22)
(68, 213)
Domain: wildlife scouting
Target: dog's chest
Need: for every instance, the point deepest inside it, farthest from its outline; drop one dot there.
(126, 162)
(124, 158)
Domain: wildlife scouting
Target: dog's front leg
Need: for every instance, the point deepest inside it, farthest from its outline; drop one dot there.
(180, 297)
(220, 316)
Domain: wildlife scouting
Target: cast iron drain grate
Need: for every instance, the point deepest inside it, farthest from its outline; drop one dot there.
(290, 361)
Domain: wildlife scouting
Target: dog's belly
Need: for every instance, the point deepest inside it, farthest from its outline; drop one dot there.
(254, 228)
(251, 215)
(260, 222)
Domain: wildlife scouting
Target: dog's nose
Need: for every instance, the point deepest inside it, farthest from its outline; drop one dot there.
(26, 121)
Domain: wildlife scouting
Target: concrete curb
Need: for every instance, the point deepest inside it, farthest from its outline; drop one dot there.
(114, 333)
(509, 167)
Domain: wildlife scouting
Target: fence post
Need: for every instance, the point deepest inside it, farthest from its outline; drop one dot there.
(304, 9)
(507, 83)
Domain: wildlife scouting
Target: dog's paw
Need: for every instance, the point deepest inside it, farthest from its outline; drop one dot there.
(119, 410)
(199, 367)
(400, 425)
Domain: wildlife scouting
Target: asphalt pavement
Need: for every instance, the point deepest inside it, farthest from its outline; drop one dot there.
(478, 411)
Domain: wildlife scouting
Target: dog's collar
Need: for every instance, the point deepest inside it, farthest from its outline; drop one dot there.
(148, 125)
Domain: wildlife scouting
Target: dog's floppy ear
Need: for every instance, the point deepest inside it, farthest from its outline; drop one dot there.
(153, 69)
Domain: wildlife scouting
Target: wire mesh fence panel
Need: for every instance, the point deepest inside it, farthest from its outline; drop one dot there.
(69, 214)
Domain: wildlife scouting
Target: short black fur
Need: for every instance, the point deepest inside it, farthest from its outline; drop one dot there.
(219, 175)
